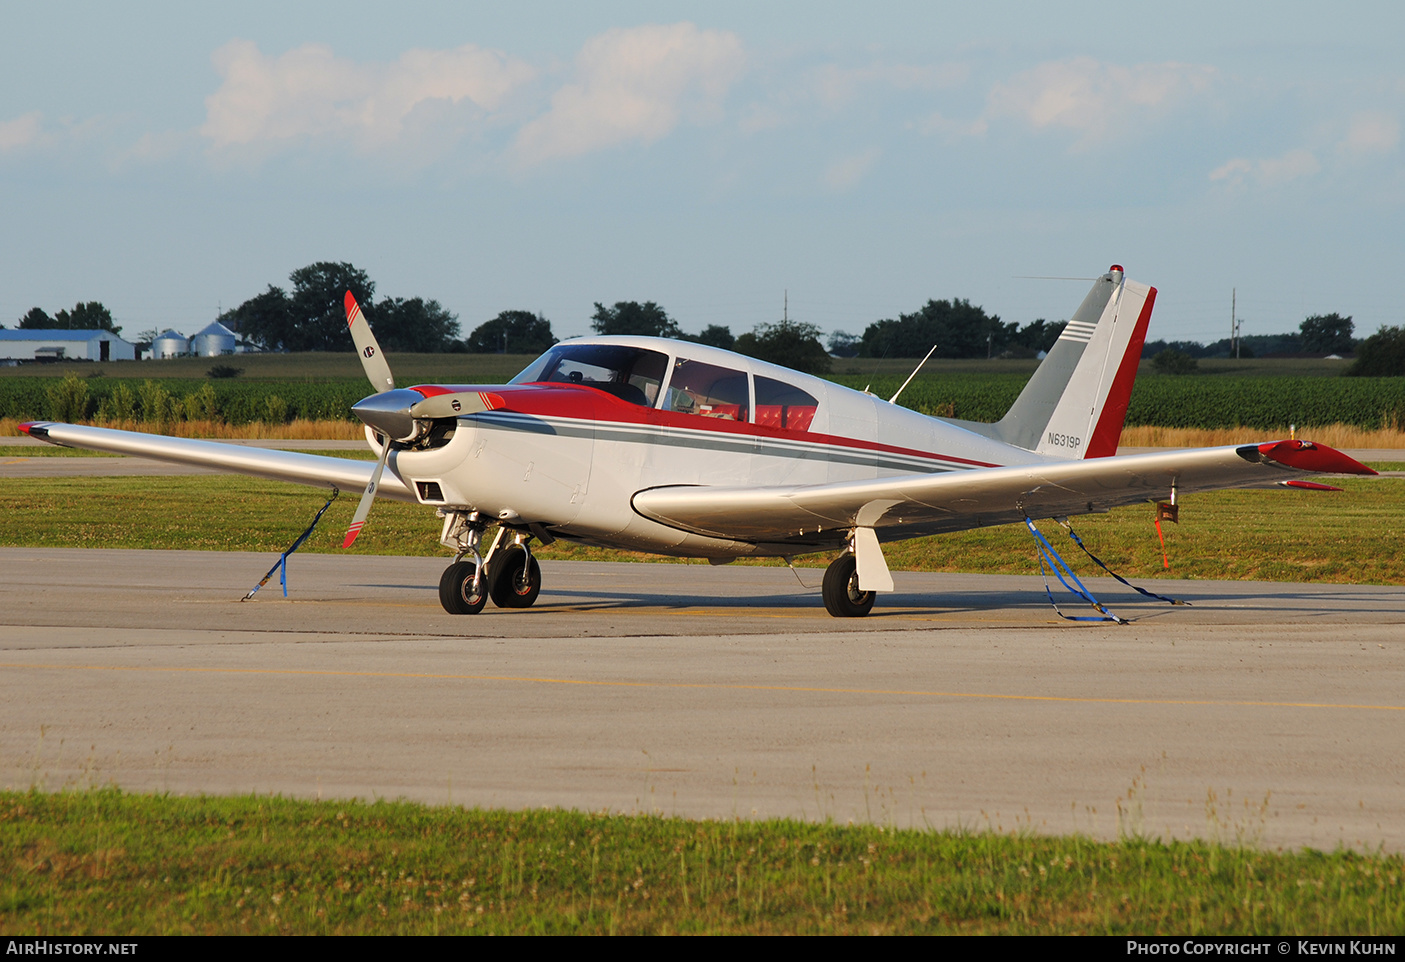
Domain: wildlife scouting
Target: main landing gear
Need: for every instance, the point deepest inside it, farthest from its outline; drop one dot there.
(508, 574)
(842, 597)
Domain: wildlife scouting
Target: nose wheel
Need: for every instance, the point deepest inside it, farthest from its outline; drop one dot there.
(458, 592)
(509, 574)
(516, 578)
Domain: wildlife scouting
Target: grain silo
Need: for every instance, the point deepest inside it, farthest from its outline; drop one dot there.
(214, 340)
(170, 344)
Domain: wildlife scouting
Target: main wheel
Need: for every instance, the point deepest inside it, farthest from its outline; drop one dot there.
(514, 582)
(456, 592)
(842, 597)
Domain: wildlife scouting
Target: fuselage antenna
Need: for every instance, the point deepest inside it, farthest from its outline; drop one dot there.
(912, 375)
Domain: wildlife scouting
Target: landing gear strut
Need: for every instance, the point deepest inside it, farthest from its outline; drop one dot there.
(508, 573)
(842, 597)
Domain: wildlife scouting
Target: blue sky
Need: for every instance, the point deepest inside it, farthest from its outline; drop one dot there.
(173, 159)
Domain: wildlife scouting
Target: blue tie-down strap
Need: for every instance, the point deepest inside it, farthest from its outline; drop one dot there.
(1098, 561)
(1060, 568)
(281, 566)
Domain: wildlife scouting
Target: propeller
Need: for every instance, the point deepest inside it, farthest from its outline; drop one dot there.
(398, 414)
(378, 371)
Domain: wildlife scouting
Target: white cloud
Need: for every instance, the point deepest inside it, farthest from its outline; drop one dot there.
(309, 92)
(836, 86)
(937, 123)
(1096, 99)
(23, 131)
(848, 171)
(1270, 171)
(1371, 133)
(635, 85)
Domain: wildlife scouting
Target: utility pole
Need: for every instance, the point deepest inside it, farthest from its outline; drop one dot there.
(1234, 321)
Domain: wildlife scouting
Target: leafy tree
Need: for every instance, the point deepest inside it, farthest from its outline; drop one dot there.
(513, 332)
(957, 328)
(89, 316)
(787, 342)
(631, 317)
(1038, 335)
(844, 344)
(717, 335)
(1327, 334)
(265, 319)
(318, 305)
(1381, 355)
(1171, 361)
(413, 325)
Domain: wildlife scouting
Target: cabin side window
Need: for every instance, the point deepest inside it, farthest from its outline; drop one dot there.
(781, 405)
(708, 391)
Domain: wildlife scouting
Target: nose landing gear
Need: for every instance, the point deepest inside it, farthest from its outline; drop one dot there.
(508, 574)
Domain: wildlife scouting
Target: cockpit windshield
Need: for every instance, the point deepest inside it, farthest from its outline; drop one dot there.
(632, 374)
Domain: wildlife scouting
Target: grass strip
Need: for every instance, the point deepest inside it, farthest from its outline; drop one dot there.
(105, 861)
(1349, 537)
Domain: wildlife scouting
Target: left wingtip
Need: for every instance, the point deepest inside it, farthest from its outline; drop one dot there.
(1310, 456)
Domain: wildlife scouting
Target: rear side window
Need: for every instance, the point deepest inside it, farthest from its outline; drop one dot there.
(708, 391)
(781, 405)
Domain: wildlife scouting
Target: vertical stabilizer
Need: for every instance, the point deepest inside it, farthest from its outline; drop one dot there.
(1075, 403)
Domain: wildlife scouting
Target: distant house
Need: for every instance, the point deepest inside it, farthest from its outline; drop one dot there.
(40, 344)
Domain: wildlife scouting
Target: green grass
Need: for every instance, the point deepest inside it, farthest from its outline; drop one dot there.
(1338, 537)
(104, 861)
(48, 451)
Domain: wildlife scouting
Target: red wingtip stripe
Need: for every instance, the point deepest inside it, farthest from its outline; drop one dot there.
(1307, 456)
(26, 426)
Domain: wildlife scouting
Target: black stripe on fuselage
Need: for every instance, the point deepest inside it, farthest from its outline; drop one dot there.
(791, 449)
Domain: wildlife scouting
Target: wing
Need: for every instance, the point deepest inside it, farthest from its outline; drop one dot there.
(235, 458)
(913, 505)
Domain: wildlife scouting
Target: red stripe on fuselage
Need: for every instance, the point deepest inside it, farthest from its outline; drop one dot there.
(583, 403)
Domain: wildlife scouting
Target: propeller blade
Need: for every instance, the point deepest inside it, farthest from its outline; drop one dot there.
(372, 361)
(364, 508)
(456, 404)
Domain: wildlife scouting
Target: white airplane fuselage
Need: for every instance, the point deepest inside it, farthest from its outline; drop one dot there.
(571, 457)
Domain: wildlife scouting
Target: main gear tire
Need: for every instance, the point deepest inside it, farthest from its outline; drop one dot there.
(842, 597)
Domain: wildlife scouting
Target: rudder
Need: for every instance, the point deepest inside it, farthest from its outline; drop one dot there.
(1076, 402)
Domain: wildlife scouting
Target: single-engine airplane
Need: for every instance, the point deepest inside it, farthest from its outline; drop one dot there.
(680, 449)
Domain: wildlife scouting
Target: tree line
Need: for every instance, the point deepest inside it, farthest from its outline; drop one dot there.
(309, 316)
(1321, 335)
(85, 316)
